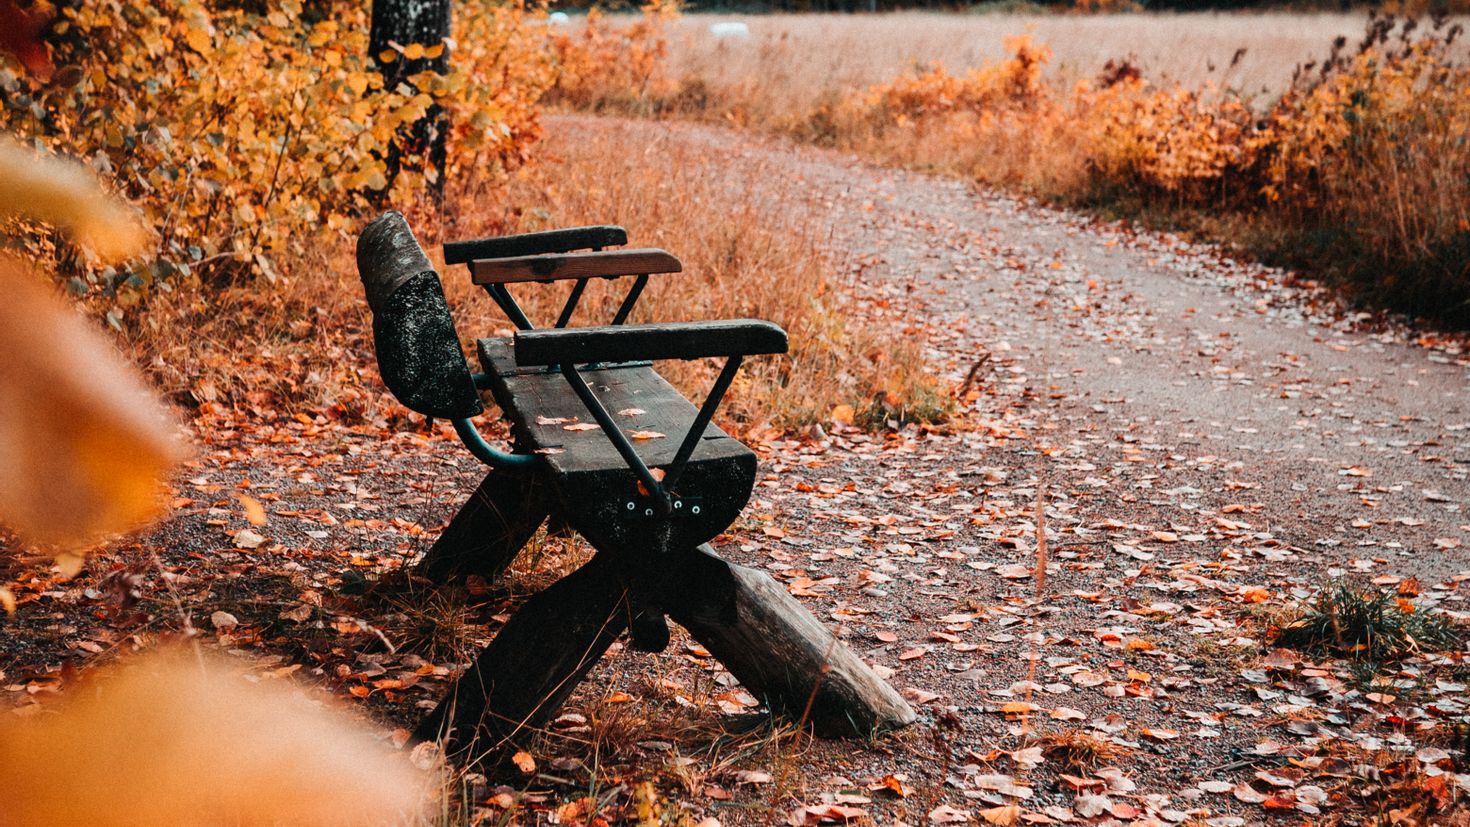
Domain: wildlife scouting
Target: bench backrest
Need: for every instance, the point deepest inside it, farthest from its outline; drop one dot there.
(417, 346)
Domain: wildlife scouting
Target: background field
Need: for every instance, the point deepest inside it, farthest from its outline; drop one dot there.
(795, 60)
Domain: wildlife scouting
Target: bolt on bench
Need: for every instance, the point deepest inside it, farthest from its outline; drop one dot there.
(648, 505)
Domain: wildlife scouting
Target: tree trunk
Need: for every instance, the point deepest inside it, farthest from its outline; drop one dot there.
(420, 145)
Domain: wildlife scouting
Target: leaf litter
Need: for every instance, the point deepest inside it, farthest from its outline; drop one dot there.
(1128, 674)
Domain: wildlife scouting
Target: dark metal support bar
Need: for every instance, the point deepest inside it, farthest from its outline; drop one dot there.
(619, 440)
(508, 306)
(484, 452)
(571, 305)
(701, 421)
(631, 299)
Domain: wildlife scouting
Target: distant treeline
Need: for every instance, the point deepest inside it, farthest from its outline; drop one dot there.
(758, 6)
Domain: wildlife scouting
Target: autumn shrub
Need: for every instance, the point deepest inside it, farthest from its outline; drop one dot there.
(245, 136)
(1367, 159)
(1360, 171)
(613, 66)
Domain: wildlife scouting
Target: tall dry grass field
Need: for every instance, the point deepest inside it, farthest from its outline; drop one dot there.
(793, 62)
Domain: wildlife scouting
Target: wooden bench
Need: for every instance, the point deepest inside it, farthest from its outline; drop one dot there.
(649, 506)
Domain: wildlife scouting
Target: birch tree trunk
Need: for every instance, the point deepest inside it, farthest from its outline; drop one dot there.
(402, 23)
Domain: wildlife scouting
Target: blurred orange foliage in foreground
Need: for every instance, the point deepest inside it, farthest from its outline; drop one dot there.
(181, 738)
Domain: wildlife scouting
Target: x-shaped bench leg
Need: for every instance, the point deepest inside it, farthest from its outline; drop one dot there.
(490, 528)
(758, 631)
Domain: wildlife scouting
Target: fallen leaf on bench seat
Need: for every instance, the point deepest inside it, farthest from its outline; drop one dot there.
(632, 412)
(645, 435)
(551, 420)
(581, 426)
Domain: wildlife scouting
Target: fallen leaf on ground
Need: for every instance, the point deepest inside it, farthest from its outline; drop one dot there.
(247, 539)
(1002, 816)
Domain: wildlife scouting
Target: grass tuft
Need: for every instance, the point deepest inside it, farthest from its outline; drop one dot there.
(1347, 620)
(1080, 750)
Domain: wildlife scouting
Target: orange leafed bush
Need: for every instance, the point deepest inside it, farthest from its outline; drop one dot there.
(1013, 82)
(244, 135)
(606, 66)
(1361, 166)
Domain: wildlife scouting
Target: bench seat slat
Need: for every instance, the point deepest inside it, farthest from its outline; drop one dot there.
(644, 261)
(525, 396)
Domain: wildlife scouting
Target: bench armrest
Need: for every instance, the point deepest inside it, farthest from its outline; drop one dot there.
(627, 343)
(640, 262)
(535, 244)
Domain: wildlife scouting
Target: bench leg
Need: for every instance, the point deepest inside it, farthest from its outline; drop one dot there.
(778, 650)
(489, 529)
(537, 659)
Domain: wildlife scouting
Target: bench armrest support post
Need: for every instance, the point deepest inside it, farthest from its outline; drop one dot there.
(701, 421)
(509, 307)
(631, 299)
(619, 440)
(571, 305)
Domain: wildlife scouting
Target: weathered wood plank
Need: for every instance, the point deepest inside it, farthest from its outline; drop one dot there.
(777, 650)
(573, 266)
(490, 528)
(535, 244)
(625, 343)
(533, 664)
(419, 355)
(592, 483)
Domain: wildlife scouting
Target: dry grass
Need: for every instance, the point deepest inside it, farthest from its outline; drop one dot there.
(792, 62)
